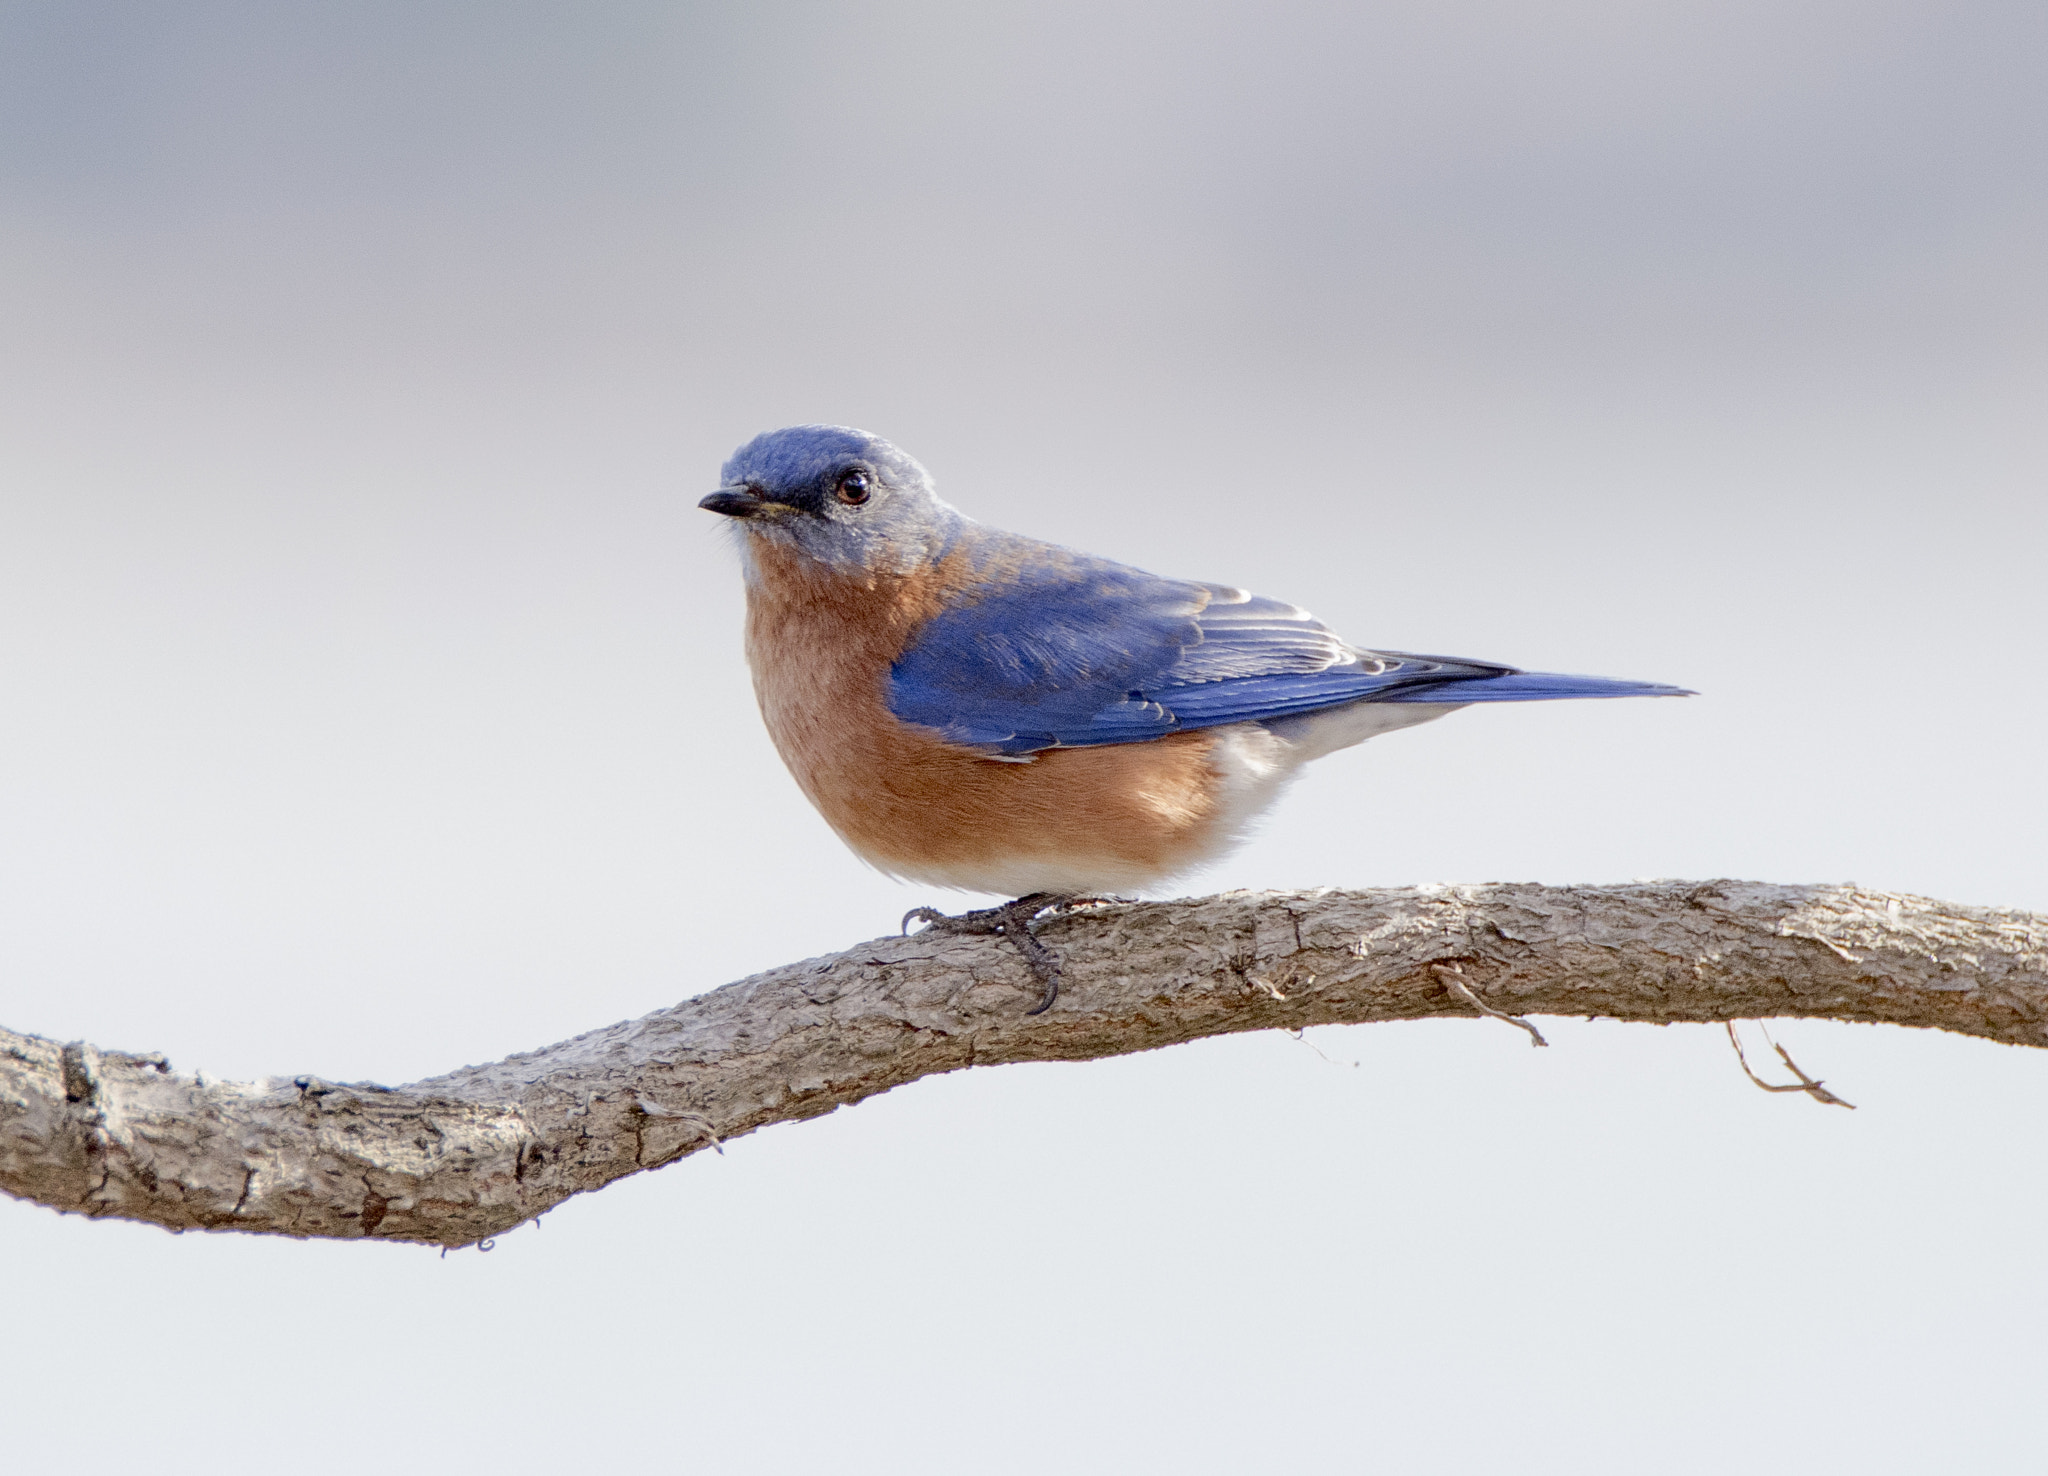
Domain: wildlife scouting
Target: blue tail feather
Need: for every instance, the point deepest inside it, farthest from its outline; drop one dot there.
(1529, 686)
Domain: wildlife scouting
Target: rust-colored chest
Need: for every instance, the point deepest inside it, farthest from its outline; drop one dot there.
(821, 645)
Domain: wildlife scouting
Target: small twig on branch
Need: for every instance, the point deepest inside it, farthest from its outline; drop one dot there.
(1448, 973)
(1805, 1084)
(1301, 1038)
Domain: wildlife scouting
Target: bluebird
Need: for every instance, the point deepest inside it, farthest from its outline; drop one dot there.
(978, 710)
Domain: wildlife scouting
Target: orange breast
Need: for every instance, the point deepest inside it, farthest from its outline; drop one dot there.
(1074, 819)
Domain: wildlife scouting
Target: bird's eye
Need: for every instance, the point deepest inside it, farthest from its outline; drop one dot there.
(853, 488)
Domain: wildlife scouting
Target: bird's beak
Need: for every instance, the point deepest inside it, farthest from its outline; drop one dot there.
(739, 501)
(734, 502)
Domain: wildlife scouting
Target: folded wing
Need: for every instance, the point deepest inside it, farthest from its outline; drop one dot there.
(1074, 652)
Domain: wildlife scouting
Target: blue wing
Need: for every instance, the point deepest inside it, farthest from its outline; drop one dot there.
(1057, 649)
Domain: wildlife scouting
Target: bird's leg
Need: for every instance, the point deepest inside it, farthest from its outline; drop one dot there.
(1012, 920)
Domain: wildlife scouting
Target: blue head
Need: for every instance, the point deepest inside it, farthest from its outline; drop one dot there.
(842, 497)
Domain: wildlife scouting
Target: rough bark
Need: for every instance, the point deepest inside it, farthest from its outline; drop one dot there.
(460, 1157)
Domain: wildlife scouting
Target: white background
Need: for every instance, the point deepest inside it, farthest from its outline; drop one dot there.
(371, 702)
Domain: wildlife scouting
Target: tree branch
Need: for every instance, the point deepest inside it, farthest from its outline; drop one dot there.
(459, 1157)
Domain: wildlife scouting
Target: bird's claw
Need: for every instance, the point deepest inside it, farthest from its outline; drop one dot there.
(1011, 920)
(923, 915)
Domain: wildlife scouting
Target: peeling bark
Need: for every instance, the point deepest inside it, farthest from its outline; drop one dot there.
(452, 1160)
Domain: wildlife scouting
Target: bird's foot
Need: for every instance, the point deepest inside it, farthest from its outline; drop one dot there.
(1012, 920)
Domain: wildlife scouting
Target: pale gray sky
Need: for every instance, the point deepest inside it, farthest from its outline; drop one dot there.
(374, 703)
